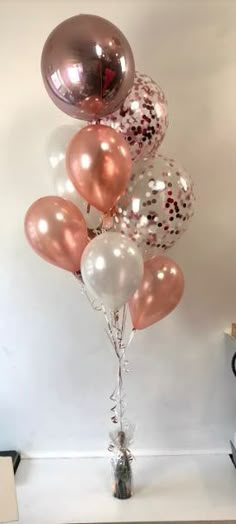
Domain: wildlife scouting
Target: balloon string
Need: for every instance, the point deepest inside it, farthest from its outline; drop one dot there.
(93, 303)
(116, 396)
(120, 392)
(124, 317)
(120, 354)
(115, 332)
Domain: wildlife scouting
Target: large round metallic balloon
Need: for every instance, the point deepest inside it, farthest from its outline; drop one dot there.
(87, 67)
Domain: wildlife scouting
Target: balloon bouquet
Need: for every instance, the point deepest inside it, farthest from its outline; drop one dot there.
(119, 204)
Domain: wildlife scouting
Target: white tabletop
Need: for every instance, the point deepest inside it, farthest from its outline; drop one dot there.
(167, 488)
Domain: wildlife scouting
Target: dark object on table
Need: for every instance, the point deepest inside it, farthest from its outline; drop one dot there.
(122, 488)
(15, 458)
(233, 364)
(233, 454)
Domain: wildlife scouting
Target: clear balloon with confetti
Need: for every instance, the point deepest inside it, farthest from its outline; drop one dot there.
(142, 118)
(157, 206)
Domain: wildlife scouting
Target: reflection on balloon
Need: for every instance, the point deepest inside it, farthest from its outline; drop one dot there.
(112, 268)
(159, 292)
(157, 206)
(56, 230)
(99, 164)
(87, 67)
(56, 153)
(142, 118)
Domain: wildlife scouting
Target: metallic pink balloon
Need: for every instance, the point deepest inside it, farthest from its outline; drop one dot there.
(57, 231)
(99, 164)
(87, 67)
(159, 292)
(142, 118)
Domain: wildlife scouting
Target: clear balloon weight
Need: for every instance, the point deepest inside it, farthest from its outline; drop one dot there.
(62, 185)
(157, 206)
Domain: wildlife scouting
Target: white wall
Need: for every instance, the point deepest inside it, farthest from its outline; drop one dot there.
(56, 367)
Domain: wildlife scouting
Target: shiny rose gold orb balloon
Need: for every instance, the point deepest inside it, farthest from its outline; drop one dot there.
(87, 67)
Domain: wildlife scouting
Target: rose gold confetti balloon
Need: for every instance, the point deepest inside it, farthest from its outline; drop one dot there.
(157, 206)
(99, 165)
(87, 67)
(142, 118)
(56, 230)
(158, 294)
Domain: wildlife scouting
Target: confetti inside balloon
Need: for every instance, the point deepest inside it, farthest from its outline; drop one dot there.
(87, 67)
(157, 206)
(142, 118)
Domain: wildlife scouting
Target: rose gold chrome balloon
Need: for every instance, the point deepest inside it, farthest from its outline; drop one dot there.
(99, 165)
(159, 292)
(56, 230)
(87, 67)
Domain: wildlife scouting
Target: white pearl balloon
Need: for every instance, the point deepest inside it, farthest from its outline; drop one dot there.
(64, 188)
(112, 269)
(57, 143)
(56, 153)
